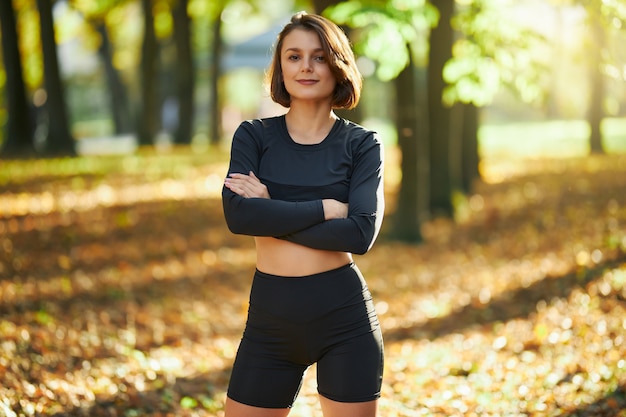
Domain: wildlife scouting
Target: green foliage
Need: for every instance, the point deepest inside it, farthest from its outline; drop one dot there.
(389, 31)
(611, 16)
(472, 76)
(163, 21)
(95, 9)
(30, 44)
(615, 8)
(494, 51)
(613, 11)
(188, 403)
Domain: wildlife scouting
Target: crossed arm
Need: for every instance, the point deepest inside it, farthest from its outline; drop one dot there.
(325, 224)
(249, 186)
(319, 224)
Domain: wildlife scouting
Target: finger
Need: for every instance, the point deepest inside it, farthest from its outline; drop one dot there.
(236, 175)
(246, 185)
(246, 180)
(237, 179)
(235, 186)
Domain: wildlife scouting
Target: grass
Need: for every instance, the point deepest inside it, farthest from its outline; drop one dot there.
(554, 139)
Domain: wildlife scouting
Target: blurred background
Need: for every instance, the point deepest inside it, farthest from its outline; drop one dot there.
(187, 71)
(122, 292)
(447, 83)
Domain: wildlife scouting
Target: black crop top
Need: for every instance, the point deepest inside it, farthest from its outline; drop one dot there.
(346, 166)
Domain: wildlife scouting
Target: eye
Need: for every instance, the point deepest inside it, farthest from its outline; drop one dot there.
(320, 58)
(293, 57)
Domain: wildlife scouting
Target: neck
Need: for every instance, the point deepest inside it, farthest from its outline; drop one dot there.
(309, 127)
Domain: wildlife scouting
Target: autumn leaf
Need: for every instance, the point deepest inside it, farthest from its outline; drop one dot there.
(123, 293)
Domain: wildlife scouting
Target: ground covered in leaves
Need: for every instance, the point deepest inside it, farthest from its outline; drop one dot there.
(123, 294)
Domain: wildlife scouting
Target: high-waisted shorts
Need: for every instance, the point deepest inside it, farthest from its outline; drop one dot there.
(294, 322)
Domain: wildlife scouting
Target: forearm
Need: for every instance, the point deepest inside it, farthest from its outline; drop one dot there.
(266, 217)
(354, 235)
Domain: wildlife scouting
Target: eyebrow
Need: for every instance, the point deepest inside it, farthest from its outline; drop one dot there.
(295, 49)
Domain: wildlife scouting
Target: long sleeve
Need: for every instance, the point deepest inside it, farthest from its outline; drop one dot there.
(357, 232)
(260, 216)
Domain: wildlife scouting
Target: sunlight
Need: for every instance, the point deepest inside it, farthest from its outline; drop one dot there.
(75, 282)
(141, 372)
(23, 204)
(520, 307)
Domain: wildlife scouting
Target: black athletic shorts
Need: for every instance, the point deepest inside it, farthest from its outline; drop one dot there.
(293, 322)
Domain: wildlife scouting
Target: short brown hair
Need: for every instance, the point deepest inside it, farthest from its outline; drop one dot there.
(338, 52)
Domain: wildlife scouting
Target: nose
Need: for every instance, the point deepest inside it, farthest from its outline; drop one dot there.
(307, 65)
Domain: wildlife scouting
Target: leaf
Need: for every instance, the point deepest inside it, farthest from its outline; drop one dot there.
(188, 402)
(519, 304)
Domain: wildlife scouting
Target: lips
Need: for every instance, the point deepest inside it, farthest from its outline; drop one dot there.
(307, 82)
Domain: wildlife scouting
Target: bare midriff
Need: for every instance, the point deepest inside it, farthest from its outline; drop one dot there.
(283, 258)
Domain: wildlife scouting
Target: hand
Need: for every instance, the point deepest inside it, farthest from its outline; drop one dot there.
(248, 186)
(334, 209)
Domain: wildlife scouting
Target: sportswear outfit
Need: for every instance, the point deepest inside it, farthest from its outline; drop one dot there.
(326, 318)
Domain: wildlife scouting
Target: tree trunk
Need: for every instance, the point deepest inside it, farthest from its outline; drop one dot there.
(120, 109)
(455, 148)
(557, 82)
(215, 106)
(149, 106)
(19, 131)
(59, 140)
(412, 206)
(595, 114)
(184, 73)
(471, 158)
(440, 52)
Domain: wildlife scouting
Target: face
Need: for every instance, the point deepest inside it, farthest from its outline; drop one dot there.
(306, 72)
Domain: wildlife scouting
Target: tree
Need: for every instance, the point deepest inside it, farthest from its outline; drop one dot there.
(392, 36)
(149, 104)
(59, 140)
(470, 158)
(414, 196)
(490, 52)
(389, 29)
(120, 106)
(215, 105)
(603, 18)
(465, 67)
(19, 130)
(95, 15)
(184, 73)
(215, 8)
(442, 144)
(595, 113)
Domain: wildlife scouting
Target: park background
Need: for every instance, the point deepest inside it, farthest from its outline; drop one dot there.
(500, 272)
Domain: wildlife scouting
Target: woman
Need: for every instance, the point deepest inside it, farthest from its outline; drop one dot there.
(308, 186)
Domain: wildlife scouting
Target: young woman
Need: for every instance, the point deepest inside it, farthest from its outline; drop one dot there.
(308, 186)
